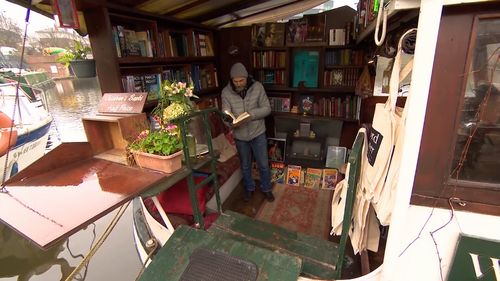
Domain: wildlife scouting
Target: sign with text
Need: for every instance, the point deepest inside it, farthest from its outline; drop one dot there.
(122, 102)
(476, 259)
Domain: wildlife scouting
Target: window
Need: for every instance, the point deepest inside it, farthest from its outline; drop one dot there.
(477, 146)
(460, 144)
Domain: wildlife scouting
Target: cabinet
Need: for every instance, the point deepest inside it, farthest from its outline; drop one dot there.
(136, 52)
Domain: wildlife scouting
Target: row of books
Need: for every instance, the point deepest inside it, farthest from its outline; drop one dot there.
(348, 107)
(148, 83)
(276, 77)
(280, 104)
(201, 76)
(141, 43)
(341, 77)
(133, 43)
(341, 36)
(366, 13)
(307, 177)
(343, 57)
(204, 76)
(273, 59)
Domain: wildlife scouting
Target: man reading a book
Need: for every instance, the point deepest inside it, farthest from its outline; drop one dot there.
(245, 100)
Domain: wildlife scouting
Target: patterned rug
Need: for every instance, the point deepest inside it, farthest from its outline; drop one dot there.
(299, 209)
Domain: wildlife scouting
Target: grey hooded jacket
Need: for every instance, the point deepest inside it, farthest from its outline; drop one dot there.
(255, 103)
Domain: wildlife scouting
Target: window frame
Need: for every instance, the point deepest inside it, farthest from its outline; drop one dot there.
(454, 52)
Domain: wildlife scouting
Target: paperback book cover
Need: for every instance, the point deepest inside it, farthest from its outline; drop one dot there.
(278, 172)
(258, 34)
(276, 149)
(313, 178)
(275, 34)
(305, 68)
(306, 104)
(293, 175)
(329, 178)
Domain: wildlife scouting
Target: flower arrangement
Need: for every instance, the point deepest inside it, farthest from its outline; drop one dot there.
(174, 100)
(163, 142)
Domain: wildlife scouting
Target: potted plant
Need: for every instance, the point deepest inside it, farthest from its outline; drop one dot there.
(77, 60)
(158, 150)
(174, 101)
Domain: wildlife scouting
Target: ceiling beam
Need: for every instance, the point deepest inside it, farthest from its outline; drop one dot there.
(227, 10)
(185, 7)
(256, 13)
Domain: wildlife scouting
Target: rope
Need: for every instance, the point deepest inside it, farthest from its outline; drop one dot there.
(143, 267)
(382, 10)
(99, 242)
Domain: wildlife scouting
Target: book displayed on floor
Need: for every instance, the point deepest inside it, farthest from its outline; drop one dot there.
(293, 176)
(329, 178)
(313, 178)
(278, 172)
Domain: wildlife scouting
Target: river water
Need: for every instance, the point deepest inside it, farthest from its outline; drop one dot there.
(117, 259)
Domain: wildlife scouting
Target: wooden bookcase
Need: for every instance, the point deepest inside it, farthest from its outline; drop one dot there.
(135, 52)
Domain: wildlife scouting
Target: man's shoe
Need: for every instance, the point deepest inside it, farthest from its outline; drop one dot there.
(269, 196)
(247, 195)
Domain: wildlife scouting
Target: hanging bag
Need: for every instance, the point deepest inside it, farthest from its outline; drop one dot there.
(382, 136)
(385, 202)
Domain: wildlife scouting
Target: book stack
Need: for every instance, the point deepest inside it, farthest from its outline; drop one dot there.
(279, 104)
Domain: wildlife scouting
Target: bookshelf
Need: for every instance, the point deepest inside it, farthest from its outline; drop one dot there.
(136, 52)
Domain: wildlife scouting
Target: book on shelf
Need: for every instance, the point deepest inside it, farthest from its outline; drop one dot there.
(240, 119)
(278, 172)
(149, 83)
(335, 156)
(305, 68)
(276, 148)
(258, 34)
(306, 104)
(280, 104)
(337, 37)
(330, 177)
(315, 27)
(293, 175)
(275, 34)
(313, 178)
(296, 31)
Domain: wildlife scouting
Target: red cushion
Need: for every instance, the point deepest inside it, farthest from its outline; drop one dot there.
(176, 199)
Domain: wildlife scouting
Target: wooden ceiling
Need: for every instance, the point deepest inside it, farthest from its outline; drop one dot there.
(214, 13)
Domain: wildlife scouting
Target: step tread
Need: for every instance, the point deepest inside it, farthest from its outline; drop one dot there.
(172, 259)
(318, 256)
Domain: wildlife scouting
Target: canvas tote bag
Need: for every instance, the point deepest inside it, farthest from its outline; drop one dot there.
(382, 136)
(385, 204)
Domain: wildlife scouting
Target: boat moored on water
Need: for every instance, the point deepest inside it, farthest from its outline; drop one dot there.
(30, 131)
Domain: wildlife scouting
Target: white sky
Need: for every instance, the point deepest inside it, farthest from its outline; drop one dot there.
(18, 13)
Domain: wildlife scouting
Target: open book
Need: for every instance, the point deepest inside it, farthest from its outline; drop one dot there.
(243, 117)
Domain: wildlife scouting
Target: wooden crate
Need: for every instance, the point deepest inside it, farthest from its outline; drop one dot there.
(109, 135)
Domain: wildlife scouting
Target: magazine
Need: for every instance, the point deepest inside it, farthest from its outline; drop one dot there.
(329, 178)
(293, 175)
(278, 172)
(313, 178)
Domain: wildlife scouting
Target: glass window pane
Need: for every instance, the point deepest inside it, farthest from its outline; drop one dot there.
(477, 158)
